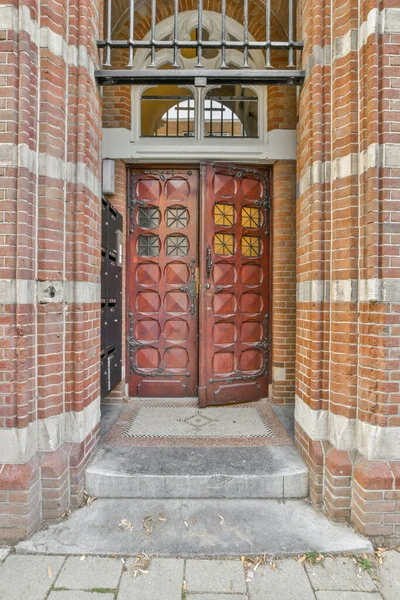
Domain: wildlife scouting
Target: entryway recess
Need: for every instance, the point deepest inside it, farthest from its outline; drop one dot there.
(198, 292)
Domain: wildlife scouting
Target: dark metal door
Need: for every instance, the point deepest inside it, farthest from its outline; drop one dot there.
(162, 298)
(234, 302)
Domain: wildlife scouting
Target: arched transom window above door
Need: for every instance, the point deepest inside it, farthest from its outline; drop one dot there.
(175, 111)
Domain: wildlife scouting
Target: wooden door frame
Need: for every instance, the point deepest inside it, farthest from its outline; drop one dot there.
(195, 166)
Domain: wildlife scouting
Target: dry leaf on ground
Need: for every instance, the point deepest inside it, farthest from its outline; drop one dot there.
(125, 525)
(140, 567)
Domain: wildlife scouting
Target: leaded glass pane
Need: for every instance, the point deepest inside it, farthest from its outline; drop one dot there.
(224, 244)
(251, 217)
(176, 218)
(251, 245)
(149, 217)
(177, 245)
(148, 245)
(224, 214)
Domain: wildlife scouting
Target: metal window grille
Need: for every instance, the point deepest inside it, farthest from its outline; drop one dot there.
(221, 74)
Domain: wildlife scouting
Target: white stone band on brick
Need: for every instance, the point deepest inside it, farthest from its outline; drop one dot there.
(384, 155)
(82, 291)
(349, 290)
(390, 20)
(19, 19)
(372, 441)
(78, 424)
(19, 445)
(17, 291)
(22, 291)
(313, 422)
(378, 443)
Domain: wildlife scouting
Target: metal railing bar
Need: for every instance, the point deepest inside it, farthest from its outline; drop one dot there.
(175, 40)
(153, 32)
(131, 31)
(108, 41)
(223, 35)
(268, 33)
(199, 41)
(246, 34)
(290, 32)
(204, 44)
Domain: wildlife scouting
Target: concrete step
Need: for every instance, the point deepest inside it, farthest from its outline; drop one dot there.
(229, 472)
(196, 528)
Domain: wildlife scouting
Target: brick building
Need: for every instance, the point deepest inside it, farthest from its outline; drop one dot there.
(325, 137)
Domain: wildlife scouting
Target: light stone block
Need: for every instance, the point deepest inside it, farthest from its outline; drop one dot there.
(388, 576)
(28, 577)
(217, 576)
(288, 581)
(92, 572)
(79, 595)
(347, 596)
(164, 581)
(341, 574)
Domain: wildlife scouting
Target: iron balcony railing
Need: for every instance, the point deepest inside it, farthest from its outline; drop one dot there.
(129, 42)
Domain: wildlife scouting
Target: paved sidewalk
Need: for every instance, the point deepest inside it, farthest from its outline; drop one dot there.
(35, 577)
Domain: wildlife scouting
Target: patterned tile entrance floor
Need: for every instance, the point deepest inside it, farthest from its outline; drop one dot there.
(184, 424)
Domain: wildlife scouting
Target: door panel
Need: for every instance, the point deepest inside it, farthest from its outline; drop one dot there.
(234, 260)
(162, 319)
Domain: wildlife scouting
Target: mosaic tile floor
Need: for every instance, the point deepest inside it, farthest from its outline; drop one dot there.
(178, 423)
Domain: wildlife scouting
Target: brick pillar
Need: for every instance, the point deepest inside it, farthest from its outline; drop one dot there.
(313, 243)
(50, 271)
(19, 469)
(348, 365)
(376, 495)
(283, 281)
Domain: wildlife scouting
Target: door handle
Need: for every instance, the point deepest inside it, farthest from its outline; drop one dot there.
(209, 262)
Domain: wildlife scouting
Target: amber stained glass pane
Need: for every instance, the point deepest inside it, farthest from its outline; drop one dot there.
(251, 217)
(224, 244)
(224, 215)
(251, 245)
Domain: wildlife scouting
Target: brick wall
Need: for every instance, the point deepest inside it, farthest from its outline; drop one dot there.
(283, 281)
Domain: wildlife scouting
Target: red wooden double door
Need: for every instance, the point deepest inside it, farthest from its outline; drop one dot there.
(198, 273)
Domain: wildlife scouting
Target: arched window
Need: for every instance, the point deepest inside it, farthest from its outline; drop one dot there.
(231, 111)
(225, 111)
(167, 111)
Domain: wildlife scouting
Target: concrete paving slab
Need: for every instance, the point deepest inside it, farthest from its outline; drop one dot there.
(216, 597)
(389, 576)
(193, 529)
(163, 581)
(288, 581)
(340, 573)
(79, 595)
(222, 576)
(92, 572)
(347, 596)
(162, 472)
(28, 577)
(4, 552)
